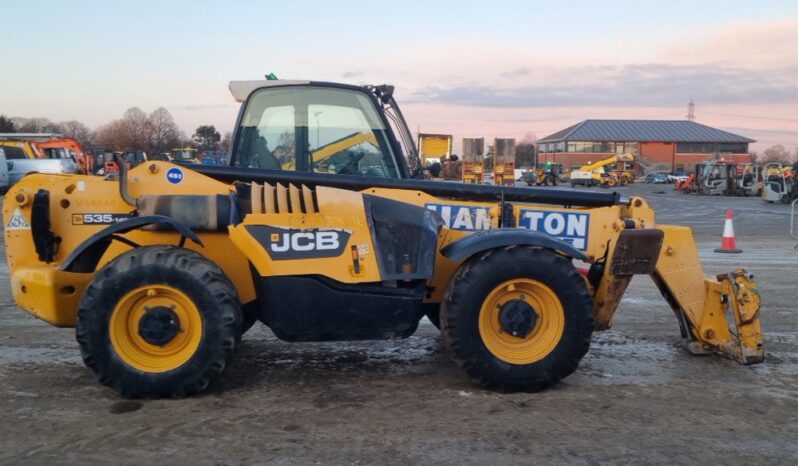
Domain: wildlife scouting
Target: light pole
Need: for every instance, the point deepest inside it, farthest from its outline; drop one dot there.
(318, 127)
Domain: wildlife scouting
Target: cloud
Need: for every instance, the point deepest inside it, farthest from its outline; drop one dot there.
(516, 73)
(754, 43)
(655, 84)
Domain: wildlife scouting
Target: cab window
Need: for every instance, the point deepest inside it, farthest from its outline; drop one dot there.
(314, 129)
(55, 153)
(14, 153)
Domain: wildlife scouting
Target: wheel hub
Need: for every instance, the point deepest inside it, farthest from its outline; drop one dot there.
(159, 325)
(517, 318)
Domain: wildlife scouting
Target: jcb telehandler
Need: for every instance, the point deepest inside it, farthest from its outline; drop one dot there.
(163, 270)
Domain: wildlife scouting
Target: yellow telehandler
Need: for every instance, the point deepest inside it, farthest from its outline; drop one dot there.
(596, 174)
(162, 270)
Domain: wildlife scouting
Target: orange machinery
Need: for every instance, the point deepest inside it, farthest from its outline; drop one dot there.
(473, 160)
(504, 161)
(47, 146)
(54, 146)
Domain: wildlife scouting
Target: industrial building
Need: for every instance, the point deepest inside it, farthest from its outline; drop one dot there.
(667, 145)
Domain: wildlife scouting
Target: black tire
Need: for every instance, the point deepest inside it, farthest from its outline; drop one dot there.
(208, 289)
(474, 281)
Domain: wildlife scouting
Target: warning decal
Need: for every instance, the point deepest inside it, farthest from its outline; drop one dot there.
(17, 222)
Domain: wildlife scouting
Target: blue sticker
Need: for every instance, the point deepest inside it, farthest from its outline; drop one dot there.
(571, 227)
(174, 175)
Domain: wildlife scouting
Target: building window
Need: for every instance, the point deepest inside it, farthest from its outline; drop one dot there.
(711, 148)
(590, 146)
(624, 147)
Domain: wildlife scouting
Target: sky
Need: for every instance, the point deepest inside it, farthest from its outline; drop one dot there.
(467, 68)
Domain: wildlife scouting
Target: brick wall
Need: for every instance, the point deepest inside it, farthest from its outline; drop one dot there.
(657, 152)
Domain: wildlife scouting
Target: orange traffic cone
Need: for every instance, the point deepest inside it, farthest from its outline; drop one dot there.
(728, 244)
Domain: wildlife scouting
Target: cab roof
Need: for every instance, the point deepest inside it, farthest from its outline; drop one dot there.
(242, 89)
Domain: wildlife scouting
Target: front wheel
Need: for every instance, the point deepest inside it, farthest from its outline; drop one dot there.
(517, 319)
(159, 321)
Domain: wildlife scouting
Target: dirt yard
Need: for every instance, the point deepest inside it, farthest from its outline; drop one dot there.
(636, 397)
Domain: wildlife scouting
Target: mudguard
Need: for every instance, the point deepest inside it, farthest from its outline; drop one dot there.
(85, 257)
(491, 239)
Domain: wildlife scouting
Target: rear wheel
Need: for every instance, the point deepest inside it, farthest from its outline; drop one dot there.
(517, 319)
(159, 321)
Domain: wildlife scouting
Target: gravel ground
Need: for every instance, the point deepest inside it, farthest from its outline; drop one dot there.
(636, 397)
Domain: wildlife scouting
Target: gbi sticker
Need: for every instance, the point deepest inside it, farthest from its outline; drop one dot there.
(286, 243)
(570, 227)
(174, 175)
(462, 217)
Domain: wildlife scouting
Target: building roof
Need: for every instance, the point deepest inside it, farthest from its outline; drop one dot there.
(644, 131)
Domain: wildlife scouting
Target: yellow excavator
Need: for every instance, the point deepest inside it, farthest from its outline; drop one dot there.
(596, 174)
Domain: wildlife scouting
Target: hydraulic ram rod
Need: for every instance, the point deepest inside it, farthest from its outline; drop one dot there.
(433, 188)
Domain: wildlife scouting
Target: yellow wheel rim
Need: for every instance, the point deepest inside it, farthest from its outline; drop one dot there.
(134, 349)
(543, 337)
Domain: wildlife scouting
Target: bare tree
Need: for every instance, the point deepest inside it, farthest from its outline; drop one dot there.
(136, 129)
(111, 136)
(775, 153)
(77, 131)
(529, 138)
(525, 151)
(163, 132)
(35, 125)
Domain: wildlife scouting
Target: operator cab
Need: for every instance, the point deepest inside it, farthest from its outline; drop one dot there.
(318, 127)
